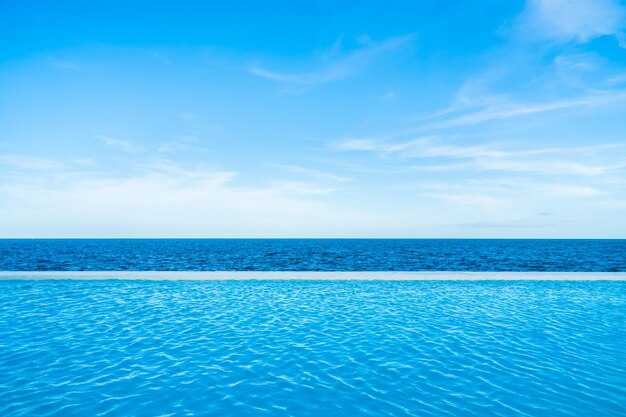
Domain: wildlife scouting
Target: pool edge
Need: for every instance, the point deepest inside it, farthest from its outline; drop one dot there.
(312, 275)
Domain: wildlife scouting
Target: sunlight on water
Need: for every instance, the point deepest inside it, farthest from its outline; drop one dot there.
(86, 348)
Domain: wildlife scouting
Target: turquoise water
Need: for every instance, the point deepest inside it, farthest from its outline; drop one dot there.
(304, 348)
(562, 255)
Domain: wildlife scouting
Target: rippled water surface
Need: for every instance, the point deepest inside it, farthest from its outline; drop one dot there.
(304, 348)
(312, 255)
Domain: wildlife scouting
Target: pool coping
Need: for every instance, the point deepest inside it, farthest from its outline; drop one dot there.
(312, 275)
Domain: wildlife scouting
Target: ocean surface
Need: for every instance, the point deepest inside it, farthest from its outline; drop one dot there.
(307, 348)
(312, 255)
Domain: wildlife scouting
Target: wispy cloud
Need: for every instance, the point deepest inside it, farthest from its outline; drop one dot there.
(430, 147)
(617, 79)
(546, 167)
(29, 162)
(388, 96)
(338, 67)
(573, 21)
(503, 194)
(181, 143)
(315, 173)
(544, 161)
(119, 144)
(465, 198)
(498, 108)
(383, 147)
(510, 86)
(550, 167)
(569, 190)
(302, 187)
(531, 221)
(66, 66)
(167, 200)
(514, 109)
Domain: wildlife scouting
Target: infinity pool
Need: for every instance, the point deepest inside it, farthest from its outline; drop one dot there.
(306, 348)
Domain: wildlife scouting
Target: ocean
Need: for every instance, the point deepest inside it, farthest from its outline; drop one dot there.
(524, 255)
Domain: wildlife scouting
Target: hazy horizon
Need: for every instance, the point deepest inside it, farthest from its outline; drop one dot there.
(283, 120)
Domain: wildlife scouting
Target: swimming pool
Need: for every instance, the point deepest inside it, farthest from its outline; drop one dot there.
(308, 348)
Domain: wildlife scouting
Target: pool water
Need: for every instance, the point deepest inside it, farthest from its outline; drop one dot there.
(306, 348)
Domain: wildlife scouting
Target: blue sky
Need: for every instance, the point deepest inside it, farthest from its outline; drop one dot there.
(313, 119)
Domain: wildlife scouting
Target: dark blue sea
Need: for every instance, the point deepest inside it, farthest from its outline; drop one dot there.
(312, 255)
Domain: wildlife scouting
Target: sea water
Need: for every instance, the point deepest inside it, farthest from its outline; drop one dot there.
(307, 348)
(312, 255)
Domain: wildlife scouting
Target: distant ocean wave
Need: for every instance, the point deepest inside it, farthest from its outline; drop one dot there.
(523, 255)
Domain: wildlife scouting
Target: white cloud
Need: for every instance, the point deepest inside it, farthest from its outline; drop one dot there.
(430, 147)
(388, 96)
(502, 196)
(314, 173)
(30, 162)
(119, 144)
(164, 199)
(573, 20)
(301, 187)
(65, 66)
(181, 143)
(545, 167)
(356, 144)
(469, 199)
(613, 204)
(552, 161)
(617, 79)
(166, 202)
(550, 167)
(569, 190)
(498, 109)
(338, 68)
